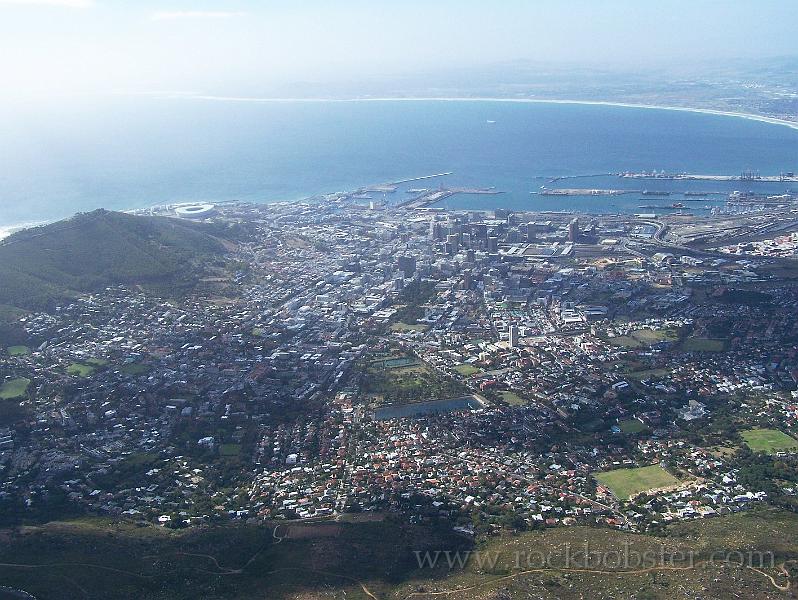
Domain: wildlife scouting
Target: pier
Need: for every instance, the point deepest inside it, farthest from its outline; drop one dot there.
(432, 196)
(584, 192)
(423, 177)
(790, 176)
(560, 177)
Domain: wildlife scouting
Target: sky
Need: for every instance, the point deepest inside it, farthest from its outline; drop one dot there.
(57, 48)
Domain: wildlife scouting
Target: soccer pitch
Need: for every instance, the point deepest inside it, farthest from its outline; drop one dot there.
(624, 483)
(769, 440)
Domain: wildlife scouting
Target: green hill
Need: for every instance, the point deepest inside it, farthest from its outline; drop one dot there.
(43, 265)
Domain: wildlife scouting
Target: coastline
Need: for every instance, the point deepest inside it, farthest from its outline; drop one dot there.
(706, 111)
(8, 229)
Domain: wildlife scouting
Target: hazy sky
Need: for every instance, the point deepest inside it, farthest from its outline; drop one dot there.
(60, 47)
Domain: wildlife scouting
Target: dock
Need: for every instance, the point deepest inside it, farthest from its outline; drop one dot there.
(749, 177)
(432, 196)
(422, 178)
(585, 192)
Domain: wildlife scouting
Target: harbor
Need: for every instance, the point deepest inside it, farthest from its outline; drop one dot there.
(746, 176)
(611, 192)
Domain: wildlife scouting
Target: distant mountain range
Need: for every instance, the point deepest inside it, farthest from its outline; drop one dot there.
(44, 265)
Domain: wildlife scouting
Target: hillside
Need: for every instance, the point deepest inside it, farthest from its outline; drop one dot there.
(42, 265)
(746, 555)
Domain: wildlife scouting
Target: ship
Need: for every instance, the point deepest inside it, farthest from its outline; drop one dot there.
(655, 193)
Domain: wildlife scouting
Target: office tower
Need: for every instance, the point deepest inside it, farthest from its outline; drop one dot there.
(513, 336)
(407, 265)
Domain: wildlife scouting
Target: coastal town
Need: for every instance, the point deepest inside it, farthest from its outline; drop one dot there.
(491, 370)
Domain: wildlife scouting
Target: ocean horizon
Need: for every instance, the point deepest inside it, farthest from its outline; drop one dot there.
(132, 153)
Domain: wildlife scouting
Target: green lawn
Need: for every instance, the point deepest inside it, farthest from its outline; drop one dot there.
(97, 362)
(466, 370)
(134, 369)
(624, 483)
(632, 426)
(694, 344)
(407, 327)
(229, 450)
(644, 337)
(402, 380)
(625, 340)
(769, 440)
(652, 336)
(648, 373)
(14, 388)
(18, 350)
(397, 362)
(512, 398)
(80, 370)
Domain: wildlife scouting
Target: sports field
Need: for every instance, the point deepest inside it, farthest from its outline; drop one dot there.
(632, 426)
(695, 344)
(466, 370)
(14, 388)
(512, 398)
(18, 350)
(624, 483)
(769, 440)
(80, 370)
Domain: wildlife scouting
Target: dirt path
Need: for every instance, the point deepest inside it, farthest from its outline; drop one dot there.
(225, 571)
(328, 574)
(213, 559)
(90, 566)
(781, 588)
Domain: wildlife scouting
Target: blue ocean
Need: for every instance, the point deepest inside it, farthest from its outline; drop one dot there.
(124, 153)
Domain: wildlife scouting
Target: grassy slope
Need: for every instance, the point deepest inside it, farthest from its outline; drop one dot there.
(121, 561)
(317, 561)
(688, 547)
(42, 265)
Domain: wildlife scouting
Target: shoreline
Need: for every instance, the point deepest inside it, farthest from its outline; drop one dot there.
(7, 230)
(705, 111)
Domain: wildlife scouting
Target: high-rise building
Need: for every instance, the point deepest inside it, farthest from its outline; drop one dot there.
(468, 280)
(436, 231)
(514, 336)
(493, 244)
(454, 240)
(407, 265)
(573, 230)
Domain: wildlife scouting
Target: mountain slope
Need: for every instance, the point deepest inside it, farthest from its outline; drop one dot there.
(89, 251)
